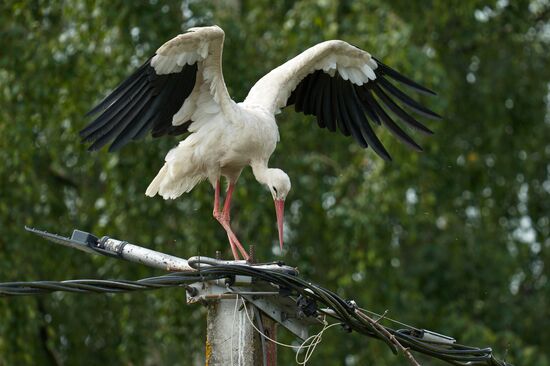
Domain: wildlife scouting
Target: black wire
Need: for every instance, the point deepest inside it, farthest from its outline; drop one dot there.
(344, 311)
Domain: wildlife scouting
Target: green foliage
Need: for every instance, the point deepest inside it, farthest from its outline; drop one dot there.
(455, 239)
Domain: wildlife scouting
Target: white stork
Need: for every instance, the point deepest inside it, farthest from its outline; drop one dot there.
(181, 90)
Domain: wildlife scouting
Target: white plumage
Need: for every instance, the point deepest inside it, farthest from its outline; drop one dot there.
(181, 90)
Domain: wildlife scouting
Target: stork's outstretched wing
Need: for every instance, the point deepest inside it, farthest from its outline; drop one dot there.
(183, 78)
(345, 88)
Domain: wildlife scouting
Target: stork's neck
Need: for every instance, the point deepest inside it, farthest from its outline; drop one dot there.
(260, 170)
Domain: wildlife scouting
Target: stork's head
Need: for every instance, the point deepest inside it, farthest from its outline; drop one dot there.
(279, 185)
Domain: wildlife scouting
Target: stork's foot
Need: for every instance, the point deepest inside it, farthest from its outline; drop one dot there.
(233, 248)
(236, 245)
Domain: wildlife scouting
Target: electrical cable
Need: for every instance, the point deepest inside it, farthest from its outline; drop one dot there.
(309, 298)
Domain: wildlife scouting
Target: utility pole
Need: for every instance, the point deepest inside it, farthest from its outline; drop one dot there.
(235, 320)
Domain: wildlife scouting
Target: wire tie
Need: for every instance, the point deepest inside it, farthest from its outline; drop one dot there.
(120, 248)
(352, 305)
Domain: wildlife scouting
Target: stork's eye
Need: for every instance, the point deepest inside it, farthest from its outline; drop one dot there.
(275, 189)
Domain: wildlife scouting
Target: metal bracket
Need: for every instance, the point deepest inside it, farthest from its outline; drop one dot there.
(265, 297)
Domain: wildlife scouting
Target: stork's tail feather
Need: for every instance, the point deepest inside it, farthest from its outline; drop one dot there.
(154, 187)
(174, 188)
(171, 186)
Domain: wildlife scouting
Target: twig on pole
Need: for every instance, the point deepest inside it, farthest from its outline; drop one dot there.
(390, 336)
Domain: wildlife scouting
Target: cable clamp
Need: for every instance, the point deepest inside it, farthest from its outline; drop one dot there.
(308, 307)
(430, 336)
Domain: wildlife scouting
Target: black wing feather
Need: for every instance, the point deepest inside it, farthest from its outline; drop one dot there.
(117, 129)
(145, 114)
(178, 130)
(340, 104)
(180, 81)
(343, 108)
(121, 89)
(144, 102)
(144, 129)
(307, 96)
(399, 112)
(386, 70)
(363, 123)
(319, 97)
(390, 124)
(160, 126)
(328, 112)
(336, 91)
(368, 108)
(102, 125)
(407, 101)
(301, 92)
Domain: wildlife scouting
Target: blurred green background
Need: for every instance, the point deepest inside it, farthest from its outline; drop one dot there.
(455, 239)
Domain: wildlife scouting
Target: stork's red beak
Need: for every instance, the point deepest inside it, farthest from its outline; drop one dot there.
(280, 210)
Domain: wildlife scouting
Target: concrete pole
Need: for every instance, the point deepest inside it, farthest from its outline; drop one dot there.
(230, 338)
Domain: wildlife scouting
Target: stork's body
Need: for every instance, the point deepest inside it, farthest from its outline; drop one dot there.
(181, 90)
(223, 146)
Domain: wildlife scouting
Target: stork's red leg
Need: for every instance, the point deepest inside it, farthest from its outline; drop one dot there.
(226, 217)
(227, 204)
(218, 216)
